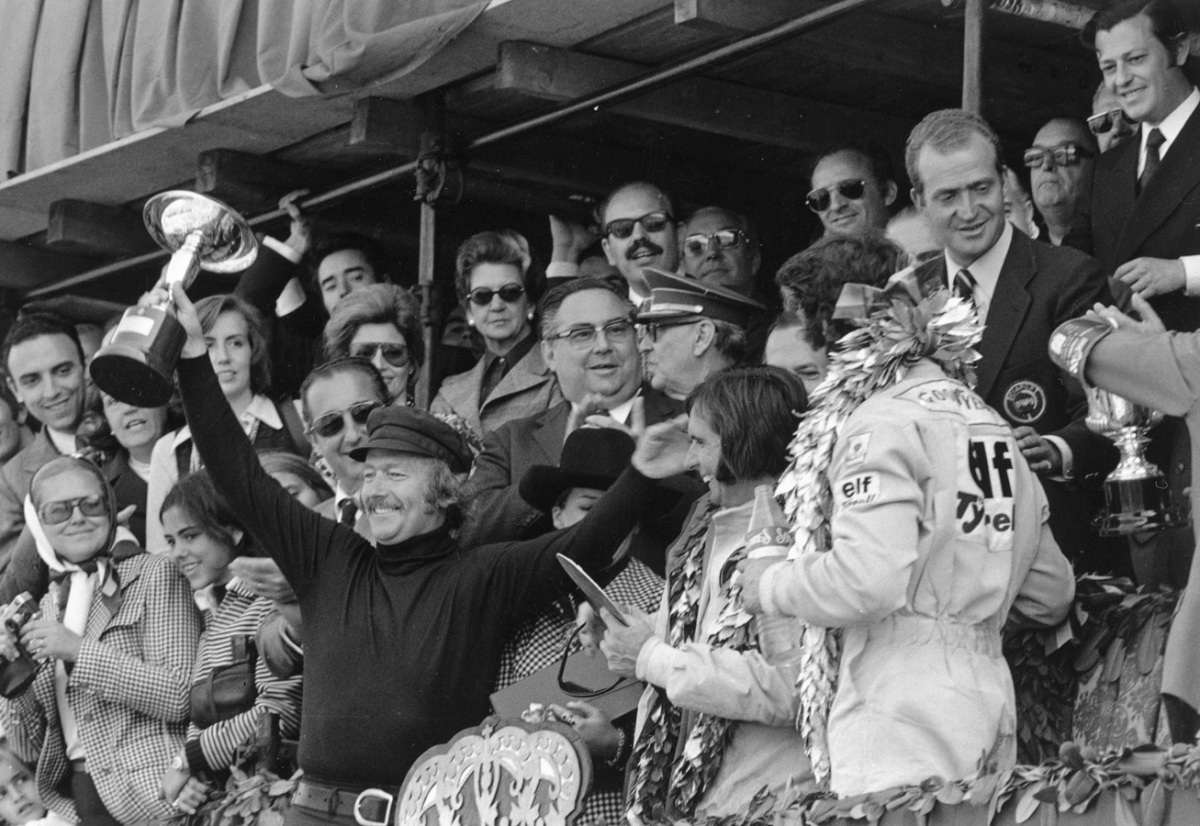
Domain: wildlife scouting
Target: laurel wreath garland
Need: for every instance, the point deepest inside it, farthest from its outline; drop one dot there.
(903, 329)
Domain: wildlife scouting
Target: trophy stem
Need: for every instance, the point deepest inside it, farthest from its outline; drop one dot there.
(1131, 442)
(185, 261)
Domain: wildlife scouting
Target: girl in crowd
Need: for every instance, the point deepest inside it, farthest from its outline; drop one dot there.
(137, 430)
(381, 323)
(204, 537)
(19, 803)
(237, 347)
(116, 641)
(297, 477)
(510, 381)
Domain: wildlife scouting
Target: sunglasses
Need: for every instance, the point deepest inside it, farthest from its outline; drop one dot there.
(724, 239)
(509, 294)
(1067, 154)
(55, 513)
(394, 354)
(622, 228)
(819, 199)
(582, 338)
(1104, 122)
(331, 423)
(653, 329)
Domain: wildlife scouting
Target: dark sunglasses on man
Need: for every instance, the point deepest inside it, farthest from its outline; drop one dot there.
(622, 228)
(724, 239)
(851, 189)
(509, 294)
(332, 423)
(1104, 122)
(1065, 154)
(55, 513)
(394, 354)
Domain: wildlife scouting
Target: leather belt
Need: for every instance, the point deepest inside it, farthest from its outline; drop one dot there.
(372, 807)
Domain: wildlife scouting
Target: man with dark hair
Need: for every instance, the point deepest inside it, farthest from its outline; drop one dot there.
(717, 721)
(852, 188)
(589, 342)
(790, 347)
(1022, 290)
(44, 364)
(1146, 197)
(690, 331)
(1060, 161)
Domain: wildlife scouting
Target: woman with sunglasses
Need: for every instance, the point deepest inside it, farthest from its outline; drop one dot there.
(115, 641)
(382, 324)
(204, 538)
(510, 381)
(237, 347)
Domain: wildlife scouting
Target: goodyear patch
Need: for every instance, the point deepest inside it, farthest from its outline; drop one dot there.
(944, 396)
(1024, 402)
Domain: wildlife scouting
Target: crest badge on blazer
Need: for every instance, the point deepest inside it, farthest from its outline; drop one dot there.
(1024, 401)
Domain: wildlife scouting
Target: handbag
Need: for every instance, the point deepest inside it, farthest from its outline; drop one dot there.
(574, 677)
(228, 690)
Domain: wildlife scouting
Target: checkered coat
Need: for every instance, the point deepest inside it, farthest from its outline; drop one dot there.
(129, 691)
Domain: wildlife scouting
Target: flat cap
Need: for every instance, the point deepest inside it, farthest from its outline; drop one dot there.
(676, 296)
(406, 430)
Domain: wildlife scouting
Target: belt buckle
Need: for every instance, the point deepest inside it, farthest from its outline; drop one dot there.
(378, 795)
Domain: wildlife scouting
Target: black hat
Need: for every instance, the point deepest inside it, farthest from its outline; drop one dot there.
(406, 430)
(675, 296)
(592, 457)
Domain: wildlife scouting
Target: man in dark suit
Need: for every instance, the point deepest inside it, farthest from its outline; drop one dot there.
(589, 341)
(1146, 193)
(1022, 290)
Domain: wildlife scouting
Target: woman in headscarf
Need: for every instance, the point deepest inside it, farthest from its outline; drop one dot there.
(115, 642)
(204, 536)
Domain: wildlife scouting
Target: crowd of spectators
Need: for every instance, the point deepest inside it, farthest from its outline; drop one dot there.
(293, 538)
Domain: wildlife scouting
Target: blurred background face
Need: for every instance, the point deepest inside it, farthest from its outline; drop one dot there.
(706, 260)
(787, 348)
(849, 216)
(136, 428)
(47, 377)
(337, 393)
(1059, 185)
(1119, 128)
(230, 352)
(81, 537)
(342, 272)
(203, 559)
(610, 369)
(1018, 206)
(370, 341)
(300, 490)
(573, 506)
(500, 323)
(19, 802)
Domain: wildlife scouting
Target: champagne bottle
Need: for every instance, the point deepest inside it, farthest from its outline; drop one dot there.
(768, 537)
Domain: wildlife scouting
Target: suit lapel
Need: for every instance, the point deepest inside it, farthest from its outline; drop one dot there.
(1010, 303)
(464, 395)
(1178, 175)
(530, 371)
(550, 432)
(43, 450)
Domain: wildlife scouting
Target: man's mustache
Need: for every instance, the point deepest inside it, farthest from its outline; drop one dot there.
(643, 244)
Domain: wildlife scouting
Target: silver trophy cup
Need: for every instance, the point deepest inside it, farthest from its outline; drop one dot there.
(1136, 495)
(202, 233)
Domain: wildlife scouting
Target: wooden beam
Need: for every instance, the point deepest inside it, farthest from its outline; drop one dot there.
(714, 106)
(85, 228)
(386, 125)
(253, 183)
(23, 267)
(973, 37)
(724, 16)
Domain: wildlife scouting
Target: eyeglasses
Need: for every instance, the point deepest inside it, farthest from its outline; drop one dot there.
(582, 338)
(394, 354)
(509, 294)
(1103, 122)
(331, 424)
(651, 222)
(1067, 154)
(725, 239)
(652, 330)
(819, 199)
(55, 513)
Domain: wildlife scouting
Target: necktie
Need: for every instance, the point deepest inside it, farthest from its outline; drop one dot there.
(348, 512)
(495, 373)
(964, 285)
(1154, 142)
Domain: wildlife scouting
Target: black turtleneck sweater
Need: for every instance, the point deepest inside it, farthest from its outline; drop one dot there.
(402, 642)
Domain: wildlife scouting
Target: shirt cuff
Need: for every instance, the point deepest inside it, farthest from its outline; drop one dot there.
(1068, 459)
(766, 589)
(562, 269)
(281, 248)
(655, 662)
(194, 755)
(292, 298)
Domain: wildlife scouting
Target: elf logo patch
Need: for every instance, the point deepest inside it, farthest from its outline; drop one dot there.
(862, 489)
(1024, 401)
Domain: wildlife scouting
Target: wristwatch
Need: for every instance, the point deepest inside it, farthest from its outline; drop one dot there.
(179, 763)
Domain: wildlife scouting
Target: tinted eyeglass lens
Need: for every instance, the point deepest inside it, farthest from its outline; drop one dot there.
(819, 199)
(331, 424)
(1103, 122)
(55, 513)
(725, 239)
(617, 332)
(622, 228)
(509, 294)
(394, 354)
